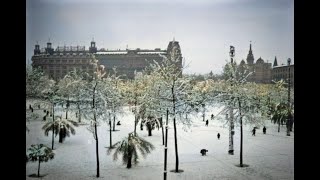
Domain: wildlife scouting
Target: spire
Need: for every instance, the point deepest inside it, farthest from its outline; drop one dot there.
(275, 63)
(250, 57)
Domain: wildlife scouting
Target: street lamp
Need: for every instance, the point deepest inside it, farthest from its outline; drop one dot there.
(232, 53)
(289, 113)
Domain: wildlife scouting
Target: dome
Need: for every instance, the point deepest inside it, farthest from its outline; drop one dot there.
(260, 61)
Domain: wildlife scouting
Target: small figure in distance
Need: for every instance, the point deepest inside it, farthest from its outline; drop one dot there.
(212, 116)
(118, 123)
(218, 135)
(254, 131)
(207, 122)
(203, 152)
(264, 130)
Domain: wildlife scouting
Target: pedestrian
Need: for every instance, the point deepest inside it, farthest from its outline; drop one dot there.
(30, 106)
(44, 111)
(207, 122)
(254, 132)
(212, 116)
(203, 152)
(39, 106)
(264, 130)
(44, 117)
(48, 113)
(218, 135)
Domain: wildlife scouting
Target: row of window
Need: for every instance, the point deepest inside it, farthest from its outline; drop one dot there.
(63, 61)
(64, 67)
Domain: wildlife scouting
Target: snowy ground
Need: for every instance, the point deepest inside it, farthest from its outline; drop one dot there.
(269, 156)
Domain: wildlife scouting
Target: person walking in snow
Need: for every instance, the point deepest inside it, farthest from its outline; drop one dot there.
(212, 116)
(254, 132)
(218, 135)
(207, 122)
(264, 130)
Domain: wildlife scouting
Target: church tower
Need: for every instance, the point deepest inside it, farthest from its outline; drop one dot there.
(250, 57)
(36, 49)
(275, 63)
(93, 48)
(49, 49)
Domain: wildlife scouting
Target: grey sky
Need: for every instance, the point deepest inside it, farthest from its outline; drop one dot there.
(204, 28)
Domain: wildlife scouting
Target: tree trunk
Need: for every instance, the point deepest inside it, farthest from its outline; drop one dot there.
(241, 134)
(129, 154)
(39, 168)
(231, 131)
(110, 130)
(97, 145)
(162, 130)
(166, 149)
(175, 130)
(135, 118)
(79, 118)
(60, 136)
(53, 125)
(95, 129)
(204, 113)
(149, 129)
(114, 123)
(67, 107)
(79, 112)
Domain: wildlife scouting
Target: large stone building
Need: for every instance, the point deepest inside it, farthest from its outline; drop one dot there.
(282, 72)
(261, 70)
(57, 63)
(264, 72)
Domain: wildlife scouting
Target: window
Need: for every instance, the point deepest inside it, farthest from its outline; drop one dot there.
(70, 61)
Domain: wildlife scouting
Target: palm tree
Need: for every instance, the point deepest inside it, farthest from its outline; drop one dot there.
(40, 153)
(63, 127)
(279, 114)
(129, 148)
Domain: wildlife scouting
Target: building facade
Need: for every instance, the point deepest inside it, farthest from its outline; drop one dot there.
(261, 70)
(57, 63)
(282, 73)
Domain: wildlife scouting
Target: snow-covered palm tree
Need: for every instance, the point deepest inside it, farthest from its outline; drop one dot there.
(129, 148)
(40, 153)
(63, 127)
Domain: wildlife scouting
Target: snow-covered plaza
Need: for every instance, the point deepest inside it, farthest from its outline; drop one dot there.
(269, 156)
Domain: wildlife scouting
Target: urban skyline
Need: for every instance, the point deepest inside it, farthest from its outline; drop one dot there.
(204, 29)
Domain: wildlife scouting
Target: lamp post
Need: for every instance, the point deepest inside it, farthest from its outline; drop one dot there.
(231, 125)
(289, 113)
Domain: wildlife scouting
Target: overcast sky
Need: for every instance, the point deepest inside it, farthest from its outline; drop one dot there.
(205, 29)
